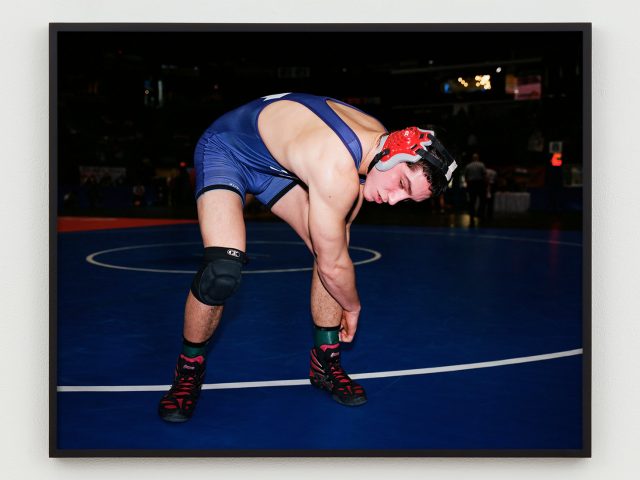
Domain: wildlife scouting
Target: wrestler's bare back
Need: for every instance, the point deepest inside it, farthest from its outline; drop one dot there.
(298, 139)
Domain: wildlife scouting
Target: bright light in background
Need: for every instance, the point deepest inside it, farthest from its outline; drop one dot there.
(498, 70)
(483, 81)
(556, 160)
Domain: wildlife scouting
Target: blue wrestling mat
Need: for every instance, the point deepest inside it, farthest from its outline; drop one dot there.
(468, 340)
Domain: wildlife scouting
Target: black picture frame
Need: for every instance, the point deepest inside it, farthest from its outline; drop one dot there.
(377, 30)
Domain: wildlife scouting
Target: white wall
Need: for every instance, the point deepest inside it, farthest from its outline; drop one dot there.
(24, 237)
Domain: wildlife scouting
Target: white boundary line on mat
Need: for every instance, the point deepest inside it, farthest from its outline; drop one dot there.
(357, 376)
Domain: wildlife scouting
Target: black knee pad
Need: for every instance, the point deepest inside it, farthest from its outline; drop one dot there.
(219, 276)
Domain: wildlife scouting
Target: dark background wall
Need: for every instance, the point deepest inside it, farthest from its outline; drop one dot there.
(131, 106)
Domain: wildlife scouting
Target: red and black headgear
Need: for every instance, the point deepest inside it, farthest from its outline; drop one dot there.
(412, 145)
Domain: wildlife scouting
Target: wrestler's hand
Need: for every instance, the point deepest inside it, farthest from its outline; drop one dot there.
(348, 325)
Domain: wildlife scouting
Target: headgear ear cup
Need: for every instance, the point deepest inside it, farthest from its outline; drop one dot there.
(449, 165)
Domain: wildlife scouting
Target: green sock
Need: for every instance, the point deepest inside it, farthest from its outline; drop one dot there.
(190, 349)
(325, 335)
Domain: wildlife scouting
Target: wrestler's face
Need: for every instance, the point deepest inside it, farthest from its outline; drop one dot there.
(395, 185)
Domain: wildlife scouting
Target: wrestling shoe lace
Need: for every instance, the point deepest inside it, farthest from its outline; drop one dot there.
(327, 373)
(178, 404)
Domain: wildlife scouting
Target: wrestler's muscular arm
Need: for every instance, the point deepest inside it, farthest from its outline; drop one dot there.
(332, 193)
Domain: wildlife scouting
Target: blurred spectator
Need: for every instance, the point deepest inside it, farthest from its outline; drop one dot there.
(475, 175)
(138, 195)
(491, 191)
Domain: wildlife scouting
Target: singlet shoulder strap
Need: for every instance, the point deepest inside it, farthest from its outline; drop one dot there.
(319, 106)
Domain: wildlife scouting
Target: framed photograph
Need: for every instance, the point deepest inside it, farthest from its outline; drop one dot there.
(365, 240)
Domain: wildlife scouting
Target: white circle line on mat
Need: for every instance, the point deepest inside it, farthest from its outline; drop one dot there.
(91, 258)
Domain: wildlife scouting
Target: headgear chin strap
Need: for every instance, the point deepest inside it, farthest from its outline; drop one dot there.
(411, 145)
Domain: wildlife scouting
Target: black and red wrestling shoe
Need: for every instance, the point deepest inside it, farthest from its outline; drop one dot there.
(327, 374)
(178, 404)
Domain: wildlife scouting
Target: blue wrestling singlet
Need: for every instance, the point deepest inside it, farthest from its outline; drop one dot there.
(231, 154)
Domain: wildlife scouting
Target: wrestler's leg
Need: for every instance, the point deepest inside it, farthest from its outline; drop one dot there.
(221, 225)
(326, 371)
